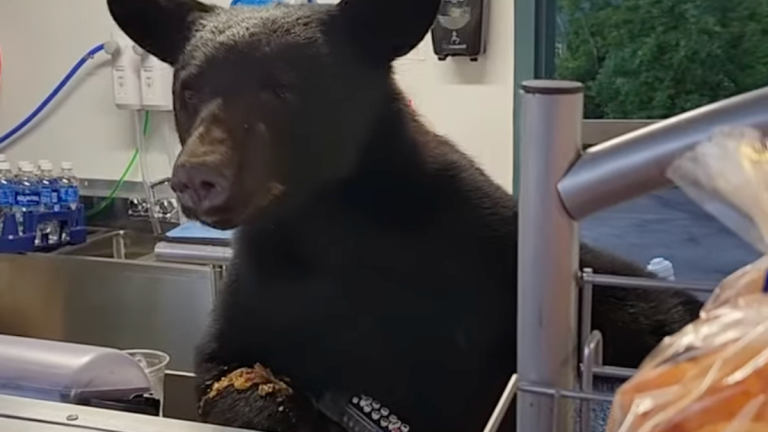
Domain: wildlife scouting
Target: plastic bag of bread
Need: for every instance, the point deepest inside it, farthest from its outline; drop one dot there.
(728, 177)
(712, 376)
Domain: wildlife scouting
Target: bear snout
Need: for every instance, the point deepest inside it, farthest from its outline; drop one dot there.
(200, 187)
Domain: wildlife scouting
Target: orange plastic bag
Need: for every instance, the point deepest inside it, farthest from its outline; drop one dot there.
(712, 376)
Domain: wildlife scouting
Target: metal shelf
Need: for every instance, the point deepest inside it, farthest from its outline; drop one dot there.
(591, 364)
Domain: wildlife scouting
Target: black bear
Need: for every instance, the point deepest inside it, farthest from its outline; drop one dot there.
(372, 256)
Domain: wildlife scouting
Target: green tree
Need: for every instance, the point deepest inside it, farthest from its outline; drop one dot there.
(655, 58)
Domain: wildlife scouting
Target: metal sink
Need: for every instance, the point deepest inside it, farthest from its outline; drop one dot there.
(120, 245)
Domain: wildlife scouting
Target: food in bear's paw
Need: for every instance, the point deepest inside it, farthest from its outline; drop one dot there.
(245, 378)
(254, 398)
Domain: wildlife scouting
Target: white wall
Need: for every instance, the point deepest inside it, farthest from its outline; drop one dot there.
(41, 40)
(471, 103)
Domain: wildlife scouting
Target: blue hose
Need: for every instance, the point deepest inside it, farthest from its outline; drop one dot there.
(5, 139)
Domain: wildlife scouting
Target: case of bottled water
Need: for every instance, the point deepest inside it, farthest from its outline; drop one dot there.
(39, 210)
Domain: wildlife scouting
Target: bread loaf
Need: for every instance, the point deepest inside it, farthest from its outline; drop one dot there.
(747, 281)
(711, 376)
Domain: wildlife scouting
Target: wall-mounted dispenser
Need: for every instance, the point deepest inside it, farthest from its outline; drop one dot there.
(126, 83)
(156, 82)
(460, 29)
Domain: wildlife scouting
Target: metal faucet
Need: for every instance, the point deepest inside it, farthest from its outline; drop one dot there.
(156, 209)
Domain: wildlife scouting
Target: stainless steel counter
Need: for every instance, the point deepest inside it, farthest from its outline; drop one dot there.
(25, 415)
(113, 292)
(114, 303)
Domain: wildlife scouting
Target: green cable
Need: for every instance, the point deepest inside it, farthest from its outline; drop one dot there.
(121, 180)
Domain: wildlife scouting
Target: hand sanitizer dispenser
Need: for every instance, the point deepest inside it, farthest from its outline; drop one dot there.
(460, 29)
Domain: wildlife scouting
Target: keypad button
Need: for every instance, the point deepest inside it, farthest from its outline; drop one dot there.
(394, 424)
(384, 422)
(384, 411)
(393, 418)
(405, 428)
(376, 404)
(355, 400)
(367, 408)
(376, 415)
(366, 400)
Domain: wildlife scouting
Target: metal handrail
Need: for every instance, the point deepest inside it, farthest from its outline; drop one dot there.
(559, 185)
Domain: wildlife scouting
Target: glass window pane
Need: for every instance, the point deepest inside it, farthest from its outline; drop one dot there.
(651, 59)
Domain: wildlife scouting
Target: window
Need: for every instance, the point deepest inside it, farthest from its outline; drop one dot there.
(652, 59)
(646, 60)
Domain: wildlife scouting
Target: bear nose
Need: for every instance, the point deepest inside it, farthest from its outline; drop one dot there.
(199, 187)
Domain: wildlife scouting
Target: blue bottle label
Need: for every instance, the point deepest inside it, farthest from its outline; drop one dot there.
(55, 199)
(70, 195)
(27, 199)
(6, 197)
(46, 196)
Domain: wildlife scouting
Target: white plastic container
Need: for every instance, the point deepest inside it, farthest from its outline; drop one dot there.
(662, 268)
(153, 363)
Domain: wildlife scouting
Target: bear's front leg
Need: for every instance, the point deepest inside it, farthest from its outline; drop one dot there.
(254, 398)
(234, 391)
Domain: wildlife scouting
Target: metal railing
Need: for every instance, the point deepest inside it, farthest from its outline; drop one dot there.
(561, 184)
(591, 365)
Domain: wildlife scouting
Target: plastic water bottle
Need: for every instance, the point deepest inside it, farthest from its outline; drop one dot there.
(39, 166)
(7, 191)
(27, 197)
(49, 188)
(49, 201)
(69, 187)
(662, 268)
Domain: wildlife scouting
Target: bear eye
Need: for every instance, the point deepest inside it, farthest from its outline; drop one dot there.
(279, 91)
(190, 98)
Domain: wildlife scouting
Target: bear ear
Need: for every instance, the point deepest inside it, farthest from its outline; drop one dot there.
(160, 27)
(387, 29)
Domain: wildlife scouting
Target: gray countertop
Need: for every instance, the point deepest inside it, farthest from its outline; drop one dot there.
(27, 415)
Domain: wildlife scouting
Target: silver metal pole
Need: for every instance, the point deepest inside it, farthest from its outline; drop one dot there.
(585, 314)
(502, 406)
(635, 282)
(633, 164)
(547, 334)
(592, 357)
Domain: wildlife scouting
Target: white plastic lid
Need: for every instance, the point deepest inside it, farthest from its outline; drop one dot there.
(46, 166)
(2, 158)
(28, 168)
(22, 163)
(41, 162)
(64, 372)
(5, 165)
(67, 165)
(662, 268)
